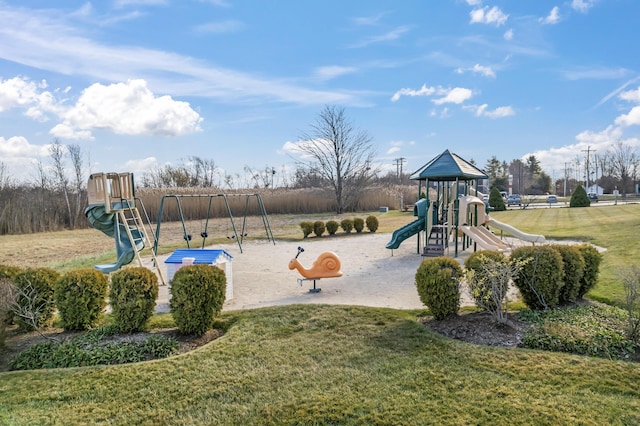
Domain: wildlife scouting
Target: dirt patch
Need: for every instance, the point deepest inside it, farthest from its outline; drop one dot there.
(480, 328)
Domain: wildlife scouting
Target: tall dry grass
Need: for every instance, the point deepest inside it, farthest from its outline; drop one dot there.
(26, 210)
(198, 205)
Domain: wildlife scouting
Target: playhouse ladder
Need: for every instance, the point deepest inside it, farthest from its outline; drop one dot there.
(130, 216)
(437, 241)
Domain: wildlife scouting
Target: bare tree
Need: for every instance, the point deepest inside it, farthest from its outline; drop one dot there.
(25, 303)
(204, 171)
(489, 284)
(339, 153)
(631, 282)
(57, 152)
(623, 161)
(5, 178)
(75, 154)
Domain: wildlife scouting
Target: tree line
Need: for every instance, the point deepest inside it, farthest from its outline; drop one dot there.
(617, 168)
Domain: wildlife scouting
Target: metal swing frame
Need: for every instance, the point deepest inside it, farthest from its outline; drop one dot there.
(204, 234)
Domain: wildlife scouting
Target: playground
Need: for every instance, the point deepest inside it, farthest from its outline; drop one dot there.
(377, 272)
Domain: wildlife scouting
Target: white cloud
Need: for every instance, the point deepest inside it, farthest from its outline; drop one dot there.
(423, 91)
(488, 15)
(43, 39)
(18, 92)
(457, 95)
(500, 112)
(230, 26)
(474, 2)
(582, 6)
(395, 147)
(368, 20)
(126, 108)
(333, 71)
(124, 3)
(631, 95)
(478, 69)
(557, 159)
(553, 17)
(508, 35)
(139, 166)
(20, 156)
(18, 147)
(389, 36)
(392, 150)
(294, 149)
(630, 119)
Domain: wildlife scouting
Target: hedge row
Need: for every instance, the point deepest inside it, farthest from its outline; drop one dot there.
(331, 227)
(30, 297)
(547, 276)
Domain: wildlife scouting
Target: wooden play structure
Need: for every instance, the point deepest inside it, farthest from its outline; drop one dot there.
(113, 210)
(327, 265)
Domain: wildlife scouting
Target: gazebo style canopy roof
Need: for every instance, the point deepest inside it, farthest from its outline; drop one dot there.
(446, 167)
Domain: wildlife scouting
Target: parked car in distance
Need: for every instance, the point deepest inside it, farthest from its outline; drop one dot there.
(514, 200)
(593, 197)
(552, 199)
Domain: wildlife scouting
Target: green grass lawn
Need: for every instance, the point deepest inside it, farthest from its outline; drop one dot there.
(331, 365)
(615, 228)
(355, 365)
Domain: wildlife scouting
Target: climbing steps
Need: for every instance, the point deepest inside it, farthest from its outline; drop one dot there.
(437, 241)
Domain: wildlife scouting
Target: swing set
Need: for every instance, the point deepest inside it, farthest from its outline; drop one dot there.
(204, 231)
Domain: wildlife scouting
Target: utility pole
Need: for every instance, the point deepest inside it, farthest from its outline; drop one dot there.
(565, 180)
(588, 151)
(399, 162)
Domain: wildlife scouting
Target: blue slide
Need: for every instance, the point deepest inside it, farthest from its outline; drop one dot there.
(399, 235)
(108, 224)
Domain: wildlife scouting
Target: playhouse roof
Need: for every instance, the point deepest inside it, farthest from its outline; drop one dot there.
(448, 166)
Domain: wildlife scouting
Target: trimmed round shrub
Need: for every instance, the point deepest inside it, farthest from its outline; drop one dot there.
(438, 283)
(592, 259)
(81, 297)
(372, 223)
(479, 283)
(541, 276)
(358, 224)
(307, 228)
(346, 225)
(318, 228)
(197, 296)
(573, 268)
(579, 198)
(132, 297)
(6, 300)
(35, 297)
(332, 227)
(8, 271)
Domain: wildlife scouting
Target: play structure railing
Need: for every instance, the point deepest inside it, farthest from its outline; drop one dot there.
(204, 234)
(110, 190)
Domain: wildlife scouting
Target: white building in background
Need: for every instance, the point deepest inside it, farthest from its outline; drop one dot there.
(595, 188)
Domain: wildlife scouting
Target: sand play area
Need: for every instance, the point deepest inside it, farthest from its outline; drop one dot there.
(372, 275)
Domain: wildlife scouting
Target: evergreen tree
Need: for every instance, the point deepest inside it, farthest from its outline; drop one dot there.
(495, 200)
(579, 198)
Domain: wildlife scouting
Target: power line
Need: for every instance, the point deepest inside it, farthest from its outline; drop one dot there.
(588, 151)
(399, 162)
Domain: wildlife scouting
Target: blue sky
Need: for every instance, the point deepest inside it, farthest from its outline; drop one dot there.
(143, 83)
